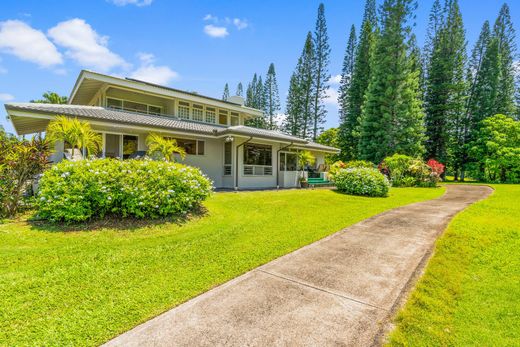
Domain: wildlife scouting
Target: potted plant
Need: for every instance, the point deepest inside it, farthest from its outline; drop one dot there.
(305, 158)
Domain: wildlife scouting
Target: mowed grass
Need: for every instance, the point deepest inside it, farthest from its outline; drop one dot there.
(470, 292)
(82, 288)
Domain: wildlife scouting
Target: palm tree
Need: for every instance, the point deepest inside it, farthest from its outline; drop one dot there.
(305, 158)
(52, 98)
(77, 133)
(158, 145)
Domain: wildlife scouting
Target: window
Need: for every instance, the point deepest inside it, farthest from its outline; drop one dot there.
(193, 147)
(211, 115)
(258, 159)
(115, 103)
(129, 145)
(154, 109)
(135, 106)
(222, 117)
(198, 113)
(227, 158)
(234, 118)
(184, 110)
(200, 147)
(288, 162)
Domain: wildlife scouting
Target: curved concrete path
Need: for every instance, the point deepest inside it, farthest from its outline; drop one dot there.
(340, 290)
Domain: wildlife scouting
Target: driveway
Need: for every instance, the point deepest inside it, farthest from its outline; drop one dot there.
(341, 290)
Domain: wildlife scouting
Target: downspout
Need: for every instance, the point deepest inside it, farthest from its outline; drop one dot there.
(236, 162)
(278, 164)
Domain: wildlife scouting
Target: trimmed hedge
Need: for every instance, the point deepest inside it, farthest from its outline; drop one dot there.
(362, 181)
(81, 190)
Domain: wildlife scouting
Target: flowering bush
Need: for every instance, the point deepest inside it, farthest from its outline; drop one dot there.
(80, 190)
(362, 181)
(405, 171)
(337, 166)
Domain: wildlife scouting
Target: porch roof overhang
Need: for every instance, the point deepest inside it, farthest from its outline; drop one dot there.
(29, 118)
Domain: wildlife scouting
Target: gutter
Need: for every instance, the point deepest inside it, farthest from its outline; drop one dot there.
(278, 164)
(236, 162)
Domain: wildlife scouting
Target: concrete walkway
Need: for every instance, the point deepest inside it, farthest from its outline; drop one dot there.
(341, 290)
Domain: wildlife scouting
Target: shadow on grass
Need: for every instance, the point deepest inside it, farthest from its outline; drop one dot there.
(115, 222)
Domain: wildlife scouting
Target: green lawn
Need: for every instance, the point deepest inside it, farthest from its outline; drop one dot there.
(470, 293)
(82, 288)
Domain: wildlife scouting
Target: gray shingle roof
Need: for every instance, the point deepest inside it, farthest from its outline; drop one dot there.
(171, 123)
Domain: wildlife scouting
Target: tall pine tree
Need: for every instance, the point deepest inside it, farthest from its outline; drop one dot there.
(392, 120)
(225, 94)
(321, 71)
(300, 98)
(504, 32)
(255, 99)
(348, 134)
(346, 72)
(272, 99)
(446, 87)
(240, 90)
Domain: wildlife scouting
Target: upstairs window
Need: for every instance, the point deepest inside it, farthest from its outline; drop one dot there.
(135, 106)
(154, 110)
(115, 103)
(198, 113)
(234, 118)
(184, 110)
(132, 106)
(211, 115)
(222, 117)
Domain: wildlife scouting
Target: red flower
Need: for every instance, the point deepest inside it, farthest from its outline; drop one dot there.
(436, 167)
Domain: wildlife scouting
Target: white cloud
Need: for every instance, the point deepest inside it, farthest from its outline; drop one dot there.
(335, 79)
(331, 97)
(19, 39)
(149, 72)
(210, 17)
(138, 3)
(4, 97)
(240, 23)
(216, 31)
(85, 45)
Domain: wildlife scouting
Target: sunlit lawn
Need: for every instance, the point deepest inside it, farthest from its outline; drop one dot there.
(470, 293)
(84, 287)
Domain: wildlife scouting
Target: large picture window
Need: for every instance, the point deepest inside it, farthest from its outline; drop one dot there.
(288, 161)
(258, 159)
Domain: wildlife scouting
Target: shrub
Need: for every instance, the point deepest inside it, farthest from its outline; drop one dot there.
(405, 171)
(334, 168)
(80, 190)
(20, 162)
(362, 181)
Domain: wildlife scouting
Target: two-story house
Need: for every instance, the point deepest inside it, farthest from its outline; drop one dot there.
(212, 131)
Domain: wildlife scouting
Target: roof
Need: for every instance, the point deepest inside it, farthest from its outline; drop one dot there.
(172, 123)
(89, 83)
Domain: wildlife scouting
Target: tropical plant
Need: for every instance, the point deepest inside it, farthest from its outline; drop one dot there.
(305, 158)
(20, 162)
(497, 151)
(76, 133)
(405, 171)
(329, 138)
(165, 148)
(362, 181)
(78, 191)
(51, 98)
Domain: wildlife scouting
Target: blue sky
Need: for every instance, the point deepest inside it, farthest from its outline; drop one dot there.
(191, 45)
